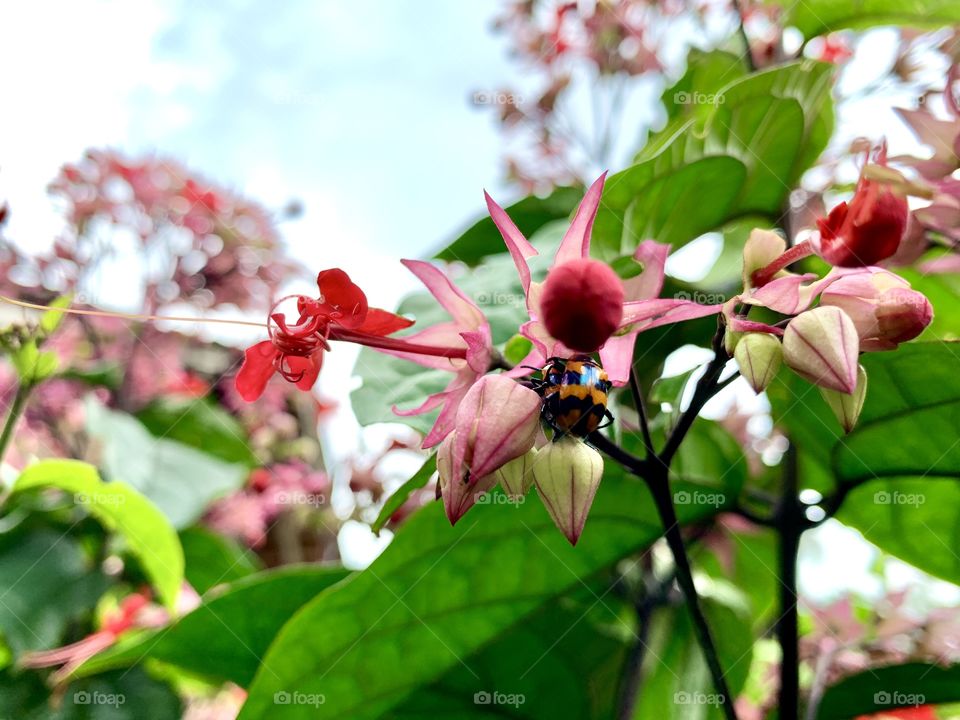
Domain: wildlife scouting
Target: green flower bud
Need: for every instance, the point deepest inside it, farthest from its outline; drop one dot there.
(567, 473)
(516, 476)
(846, 407)
(759, 356)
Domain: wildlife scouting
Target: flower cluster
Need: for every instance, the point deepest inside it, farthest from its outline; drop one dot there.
(856, 307)
(224, 248)
(270, 491)
(489, 424)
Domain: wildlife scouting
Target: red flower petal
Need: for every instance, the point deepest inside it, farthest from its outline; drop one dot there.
(256, 370)
(309, 366)
(380, 322)
(344, 302)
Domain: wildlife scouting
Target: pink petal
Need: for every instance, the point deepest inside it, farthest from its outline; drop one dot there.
(576, 241)
(519, 247)
(649, 283)
(461, 308)
(617, 357)
(447, 334)
(789, 295)
(642, 315)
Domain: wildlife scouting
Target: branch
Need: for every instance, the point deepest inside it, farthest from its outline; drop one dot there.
(790, 522)
(13, 417)
(707, 386)
(642, 413)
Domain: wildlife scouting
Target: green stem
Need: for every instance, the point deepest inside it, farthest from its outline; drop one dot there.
(13, 417)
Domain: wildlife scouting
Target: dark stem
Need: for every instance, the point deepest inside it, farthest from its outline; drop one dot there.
(13, 416)
(748, 53)
(789, 516)
(642, 413)
(708, 386)
(660, 489)
(633, 666)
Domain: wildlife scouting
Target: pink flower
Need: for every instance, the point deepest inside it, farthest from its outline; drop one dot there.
(885, 310)
(468, 330)
(821, 345)
(496, 422)
(641, 310)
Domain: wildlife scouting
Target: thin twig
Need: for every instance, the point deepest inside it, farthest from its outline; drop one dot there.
(789, 516)
(642, 413)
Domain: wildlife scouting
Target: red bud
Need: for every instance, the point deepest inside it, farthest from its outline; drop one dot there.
(582, 303)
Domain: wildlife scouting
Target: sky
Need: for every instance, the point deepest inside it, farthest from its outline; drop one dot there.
(360, 111)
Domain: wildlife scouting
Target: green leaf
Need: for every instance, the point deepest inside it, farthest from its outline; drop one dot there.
(128, 695)
(902, 453)
(818, 17)
(33, 365)
(555, 665)
(440, 594)
(706, 74)
(121, 509)
(743, 157)
(886, 688)
(942, 290)
(395, 501)
(178, 479)
(51, 319)
(227, 636)
(530, 214)
(46, 582)
(676, 682)
(212, 559)
(200, 424)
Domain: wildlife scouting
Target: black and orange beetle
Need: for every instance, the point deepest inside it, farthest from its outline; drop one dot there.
(574, 394)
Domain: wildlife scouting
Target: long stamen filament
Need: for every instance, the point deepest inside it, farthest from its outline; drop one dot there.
(765, 274)
(130, 316)
(341, 334)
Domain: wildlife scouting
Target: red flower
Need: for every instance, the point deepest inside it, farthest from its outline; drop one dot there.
(867, 230)
(296, 351)
(582, 303)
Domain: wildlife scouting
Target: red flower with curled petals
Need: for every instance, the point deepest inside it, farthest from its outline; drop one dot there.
(296, 351)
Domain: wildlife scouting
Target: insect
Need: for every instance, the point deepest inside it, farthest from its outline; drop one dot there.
(574, 394)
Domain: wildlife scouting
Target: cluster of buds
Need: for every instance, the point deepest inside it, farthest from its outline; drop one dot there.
(827, 322)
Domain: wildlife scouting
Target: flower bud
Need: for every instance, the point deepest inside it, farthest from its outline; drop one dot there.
(496, 422)
(761, 249)
(847, 406)
(867, 230)
(459, 490)
(582, 303)
(822, 346)
(567, 473)
(883, 307)
(759, 356)
(516, 476)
